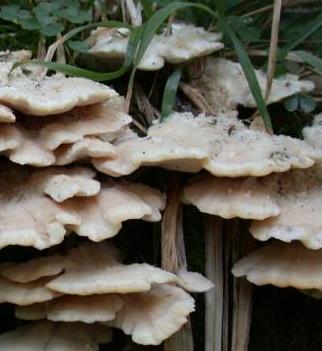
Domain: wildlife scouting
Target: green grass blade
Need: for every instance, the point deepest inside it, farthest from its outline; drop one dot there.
(246, 66)
(70, 70)
(315, 25)
(170, 93)
(251, 77)
(310, 59)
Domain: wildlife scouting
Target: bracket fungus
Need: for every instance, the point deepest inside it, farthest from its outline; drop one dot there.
(222, 145)
(312, 134)
(183, 42)
(224, 86)
(71, 308)
(283, 265)
(92, 285)
(152, 316)
(50, 336)
(296, 192)
(25, 293)
(81, 133)
(229, 198)
(51, 95)
(98, 214)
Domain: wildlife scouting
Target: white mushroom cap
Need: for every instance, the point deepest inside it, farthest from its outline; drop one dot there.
(24, 194)
(88, 276)
(194, 282)
(55, 337)
(222, 145)
(97, 214)
(224, 86)
(6, 115)
(51, 95)
(185, 42)
(151, 317)
(299, 197)
(90, 269)
(312, 134)
(104, 119)
(282, 265)
(228, 198)
(76, 182)
(65, 138)
(51, 266)
(71, 308)
(102, 216)
(25, 294)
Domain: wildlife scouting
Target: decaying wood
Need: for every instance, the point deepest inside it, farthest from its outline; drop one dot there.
(173, 256)
(214, 271)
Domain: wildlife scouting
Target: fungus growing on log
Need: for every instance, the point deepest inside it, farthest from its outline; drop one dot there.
(229, 198)
(296, 192)
(97, 214)
(282, 265)
(80, 133)
(182, 43)
(222, 145)
(224, 86)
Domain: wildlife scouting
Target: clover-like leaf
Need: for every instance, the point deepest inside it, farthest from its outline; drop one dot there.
(291, 104)
(30, 24)
(79, 46)
(9, 12)
(306, 103)
(52, 29)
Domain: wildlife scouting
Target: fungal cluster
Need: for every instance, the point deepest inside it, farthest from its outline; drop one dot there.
(73, 299)
(67, 142)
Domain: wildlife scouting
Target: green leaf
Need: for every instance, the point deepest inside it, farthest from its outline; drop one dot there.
(307, 104)
(169, 94)
(9, 13)
(305, 33)
(24, 14)
(246, 29)
(97, 76)
(291, 104)
(30, 24)
(246, 66)
(52, 29)
(310, 59)
(79, 46)
(147, 8)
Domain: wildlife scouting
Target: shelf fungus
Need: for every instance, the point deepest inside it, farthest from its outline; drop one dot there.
(181, 43)
(298, 194)
(70, 200)
(90, 284)
(246, 198)
(46, 335)
(152, 316)
(82, 133)
(25, 293)
(224, 86)
(71, 308)
(312, 134)
(222, 145)
(51, 95)
(282, 265)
